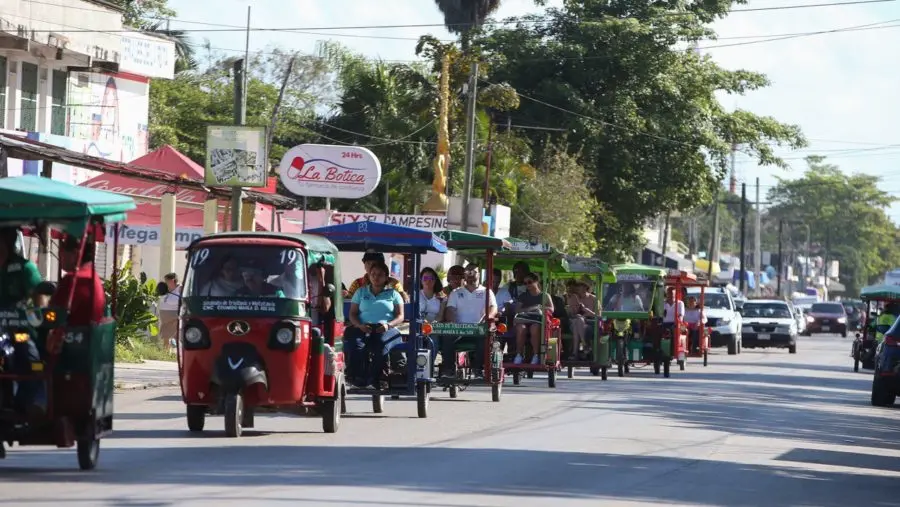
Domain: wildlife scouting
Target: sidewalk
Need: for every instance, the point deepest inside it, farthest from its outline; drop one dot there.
(146, 375)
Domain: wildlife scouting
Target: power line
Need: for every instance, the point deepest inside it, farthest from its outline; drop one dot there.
(526, 20)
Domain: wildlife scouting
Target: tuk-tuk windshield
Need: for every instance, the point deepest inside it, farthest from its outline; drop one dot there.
(246, 271)
(629, 296)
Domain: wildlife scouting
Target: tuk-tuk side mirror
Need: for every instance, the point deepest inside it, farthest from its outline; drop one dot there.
(162, 289)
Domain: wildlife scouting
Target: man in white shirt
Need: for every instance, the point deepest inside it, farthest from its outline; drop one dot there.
(671, 306)
(168, 310)
(467, 305)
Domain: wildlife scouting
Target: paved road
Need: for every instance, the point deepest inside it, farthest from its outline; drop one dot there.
(759, 429)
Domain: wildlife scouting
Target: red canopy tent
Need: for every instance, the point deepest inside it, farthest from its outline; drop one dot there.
(170, 160)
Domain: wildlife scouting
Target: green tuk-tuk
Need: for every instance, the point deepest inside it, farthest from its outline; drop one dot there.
(632, 311)
(72, 365)
(469, 336)
(546, 262)
(595, 354)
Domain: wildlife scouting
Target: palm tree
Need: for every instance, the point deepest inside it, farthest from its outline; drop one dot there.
(461, 16)
(184, 49)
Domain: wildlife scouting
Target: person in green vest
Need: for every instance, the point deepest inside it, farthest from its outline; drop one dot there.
(19, 281)
(886, 320)
(19, 277)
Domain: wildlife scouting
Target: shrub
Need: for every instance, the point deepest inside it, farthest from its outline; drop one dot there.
(134, 306)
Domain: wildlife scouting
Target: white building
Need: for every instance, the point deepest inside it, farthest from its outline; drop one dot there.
(69, 76)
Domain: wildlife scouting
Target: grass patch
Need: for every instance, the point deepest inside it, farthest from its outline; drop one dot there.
(142, 350)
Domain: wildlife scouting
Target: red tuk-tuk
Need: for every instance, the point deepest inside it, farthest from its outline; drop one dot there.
(679, 281)
(251, 338)
(689, 286)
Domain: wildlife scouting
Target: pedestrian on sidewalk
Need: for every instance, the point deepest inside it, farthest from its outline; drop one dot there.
(168, 311)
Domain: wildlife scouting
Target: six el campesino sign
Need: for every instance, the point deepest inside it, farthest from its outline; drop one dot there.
(320, 170)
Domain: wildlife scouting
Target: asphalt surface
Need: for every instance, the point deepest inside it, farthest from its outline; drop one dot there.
(764, 428)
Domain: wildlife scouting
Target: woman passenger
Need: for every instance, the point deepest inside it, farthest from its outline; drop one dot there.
(375, 311)
(227, 282)
(694, 316)
(532, 304)
(581, 306)
(430, 295)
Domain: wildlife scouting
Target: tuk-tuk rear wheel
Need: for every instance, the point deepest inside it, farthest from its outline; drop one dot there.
(681, 365)
(551, 378)
(234, 415)
(571, 372)
(196, 418)
(377, 403)
(88, 450)
(454, 391)
(666, 366)
(705, 357)
(603, 375)
(331, 411)
(517, 378)
(496, 391)
(2, 450)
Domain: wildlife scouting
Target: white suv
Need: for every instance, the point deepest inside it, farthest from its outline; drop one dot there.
(722, 317)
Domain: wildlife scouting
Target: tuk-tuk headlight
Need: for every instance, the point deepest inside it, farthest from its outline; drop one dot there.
(284, 336)
(193, 335)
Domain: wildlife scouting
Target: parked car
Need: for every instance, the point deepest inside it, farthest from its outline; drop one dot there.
(827, 318)
(722, 317)
(769, 323)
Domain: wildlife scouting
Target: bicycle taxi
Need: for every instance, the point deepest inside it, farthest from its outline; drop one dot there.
(469, 245)
(546, 262)
(632, 314)
(595, 353)
(41, 349)
(407, 378)
(683, 332)
(864, 346)
(249, 341)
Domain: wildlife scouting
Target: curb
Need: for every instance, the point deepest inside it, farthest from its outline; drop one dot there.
(135, 386)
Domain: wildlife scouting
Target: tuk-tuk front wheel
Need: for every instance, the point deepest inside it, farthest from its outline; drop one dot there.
(656, 366)
(666, 366)
(551, 378)
(377, 403)
(422, 399)
(496, 391)
(681, 365)
(705, 357)
(234, 415)
(517, 378)
(454, 391)
(196, 418)
(603, 375)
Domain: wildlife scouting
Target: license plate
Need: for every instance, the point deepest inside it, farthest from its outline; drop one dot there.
(763, 337)
(826, 329)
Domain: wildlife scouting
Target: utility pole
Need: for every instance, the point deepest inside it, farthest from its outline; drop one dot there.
(743, 275)
(665, 241)
(277, 109)
(757, 252)
(470, 137)
(714, 238)
(487, 167)
(240, 117)
(780, 260)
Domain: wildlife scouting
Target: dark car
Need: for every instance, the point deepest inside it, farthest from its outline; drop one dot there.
(827, 318)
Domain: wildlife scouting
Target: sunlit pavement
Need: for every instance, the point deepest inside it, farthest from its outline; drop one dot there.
(764, 428)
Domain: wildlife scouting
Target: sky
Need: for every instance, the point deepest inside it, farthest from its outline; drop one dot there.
(840, 87)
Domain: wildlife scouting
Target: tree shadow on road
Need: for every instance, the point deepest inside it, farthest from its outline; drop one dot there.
(496, 472)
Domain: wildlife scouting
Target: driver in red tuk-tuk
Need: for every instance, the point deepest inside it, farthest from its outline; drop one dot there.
(694, 318)
(670, 309)
(89, 299)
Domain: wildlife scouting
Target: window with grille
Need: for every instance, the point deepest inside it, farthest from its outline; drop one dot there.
(29, 104)
(58, 107)
(3, 74)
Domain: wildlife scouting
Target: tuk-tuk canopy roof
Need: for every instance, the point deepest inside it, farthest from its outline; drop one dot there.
(29, 199)
(640, 269)
(461, 240)
(587, 266)
(362, 236)
(880, 292)
(685, 279)
(317, 247)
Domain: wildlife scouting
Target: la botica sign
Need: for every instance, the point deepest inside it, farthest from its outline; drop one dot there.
(338, 172)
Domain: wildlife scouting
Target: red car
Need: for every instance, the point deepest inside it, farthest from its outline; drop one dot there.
(826, 318)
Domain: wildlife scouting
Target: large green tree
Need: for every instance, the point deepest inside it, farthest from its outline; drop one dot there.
(847, 218)
(640, 112)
